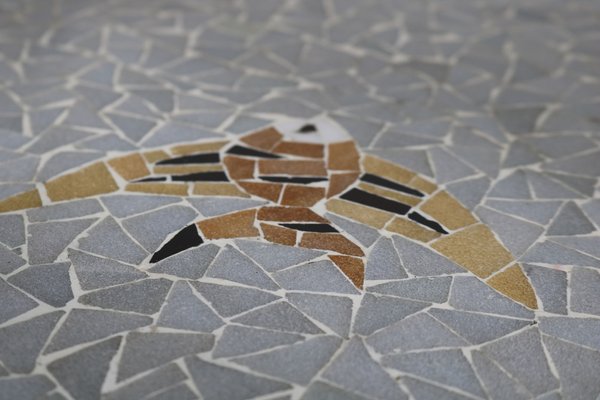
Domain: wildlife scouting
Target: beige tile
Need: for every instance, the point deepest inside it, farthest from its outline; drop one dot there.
(303, 196)
(352, 267)
(289, 214)
(175, 189)
(292, 167)
(446, 210)
(357, 212)
(217, 189)
(21, 201)
(390, 194)
(238, 224)
(209, 147)
(310, 150)
(155, 156)
(386, 169)
(411, 229)
(130, 167)
(422, 184)
(278, 234)
(265, 139)
(513, 283)
(89, 181)
(476, 249)
(239, 168)
(343, 156)
(268, 191)
(340, 182)
(330, 241)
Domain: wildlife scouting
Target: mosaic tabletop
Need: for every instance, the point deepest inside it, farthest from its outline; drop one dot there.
(299, 199)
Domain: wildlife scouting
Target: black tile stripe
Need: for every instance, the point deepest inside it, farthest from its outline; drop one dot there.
(247, 151)
(292, 179)
(204, 158)
(311, 227)
(152, 179)
(372, 200)
(212, 176)
(379, 181)
(186, 238)
(415, 216)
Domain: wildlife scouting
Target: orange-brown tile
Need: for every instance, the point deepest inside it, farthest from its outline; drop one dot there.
(289, 214)
(476, 249)
(217, 189)
(422, 185)
(130, 167)
(446, 210)
(366, 215)
(310, 150)
(155, 156)
(209, 147)
(292, 167)
(390, 194)
(21, 201)
(386, 169)
(265, 139)
(330, 241)
(303, 196)
(238, 224)
(175, 189)
(339, 182)
(411, 229)
(269, 191)
(239, 168)
(513, 283)
(278, 234)
(185, 169)
(343, 156)
(352, 267)
(89, 181)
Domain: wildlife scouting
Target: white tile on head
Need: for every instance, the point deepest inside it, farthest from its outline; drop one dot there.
(328, 131)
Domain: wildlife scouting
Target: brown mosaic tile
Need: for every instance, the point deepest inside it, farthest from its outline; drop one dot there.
(330, 241)
(513, 283)
(390, 194)
(155, 156)
(217, 189)
(89, 181)
(310, 150)
(411, 229)
(265, 139)
(343, 156)
(423, 185)
(448, 211)
(239, 168)
(175, 189)
(303, 196)
(269, 191)
(386, 169)
(352, 267)
(130, 167)
(340, 182)
(292, 167)
(289, 214)
(278, 234)
(238, 224)
(476, 249)
(21, 201)
(185, 149)
(357, 212)
(185, 169)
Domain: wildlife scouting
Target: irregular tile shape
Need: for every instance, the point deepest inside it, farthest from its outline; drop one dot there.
(376, 312)
(589, 245)
(161, 378)
(364, 234)
(72, 209)
(87, 182)
(318, 276)
(189, 264)
(49, 283)
(592, 210)
(144, 351)
(210, 207)
(232, 265)
(9, 261)
(279, 316)
(183, 310)
(273, 257)
(97, 272)
(550, 287)
(552, 253)
(447, 167)
(238, 340)
(546, 188)
(109, 240)
(321, 390)
(421, 390)
(215, 382)
(21, 343)
(585, 291)
(513, 283)
(370, 379)
(124, 205)
(83, 325)
(580, 165)
(570, 221)
(522, 356)
(144, 296)
(333, 311)
(582, 331)
(514, 186)
(419, 331)
(233, 300)
(420, 261)
(14, 302)
(520, 153)
(535, 211)
(499, 385)
(434, 289)
(12, 230)
(26, 387)
(384, 262)
(309, 357)
(82, 373)
(45, 244)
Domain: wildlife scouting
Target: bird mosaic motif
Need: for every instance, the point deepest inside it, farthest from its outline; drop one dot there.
(304, 171)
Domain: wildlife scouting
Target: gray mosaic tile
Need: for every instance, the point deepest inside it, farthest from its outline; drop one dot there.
(592, 210)
(54, 138)
(364, 234)
(190, 264)
(274, 257)
(365, 131)
(73, 209)
(215, 382)
(486, 160)
(9, 261)
(570, 221)
(535, 211)
(233, 266)
(161, 378)
(14, 302)
(19, 170)
(447, 167)
(333, 311)
(580, 165)
(582, 331)
(124, 205)
(48, 283)
(520, 153)
(145, 296)
(97, 272)
(63, 162)
(240, 340)
(243, 124)
(12, 230)
(172, 132)
(109, 240)
(513, 186)
(519, 120)
(522, 357)
(416, 160)
(232, 300)
(581, 184)
(585, 293)
(434, 289)
(371, 379)
(423, 390)
(546, 188)
(279, 316)
(179, 392)
(552, 253)
(144, 351)
(588, 245)
(26, 387)
(318, 276)
(470, 192)
(377, 312)
(320, 390)
(384, 262)
(496, 382)
(211, 206)
(550, 286)
(21, 343)
(82, 373)
(45, 245)
(420, 261)
(309, 358)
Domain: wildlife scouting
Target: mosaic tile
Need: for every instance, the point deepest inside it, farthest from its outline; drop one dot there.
(159, 379)
(584, 295)
(551, 253)
(496, 382)
(48, 283)
(26, 386)
(232, 265)
(320, 390)
(320, 276)
(12, 230)
(9, 261)
(421, 261)
(376, 312)
(232, 300)
(279, 316)
(570, 220)
(430, 289)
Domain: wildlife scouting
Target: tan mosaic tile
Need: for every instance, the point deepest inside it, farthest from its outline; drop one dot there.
(340, 182)
(217, 189)
(130, 167)
(209, 147)
(278, 234)
(303, 196)
(422, 185)
(411, 229)
(357, 212)
(239, 168)
(268, 191)
(175, 189)
(292, 167)
(330, 241)
(310, 150)
(476, 249)
(289, 214)
(390, 194)
(238, 224)
(352, 267)
(343, 157)
(29, 199)
(265, 139)
(386, 169)
(155, 156)
(89, 181)
(185, 169)
(513, 283)
(448, 211)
